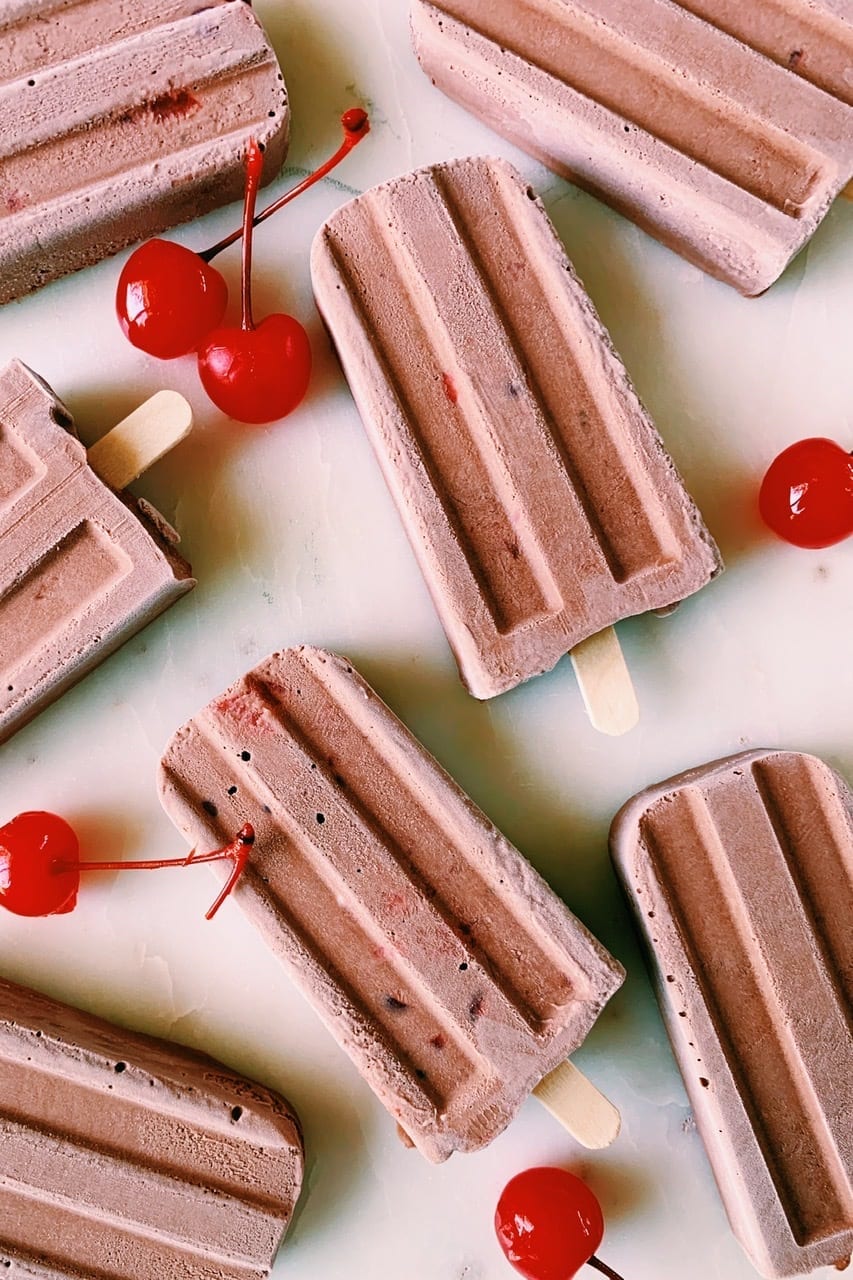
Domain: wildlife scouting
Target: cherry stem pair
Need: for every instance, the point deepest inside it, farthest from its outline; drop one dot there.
(356, 124)
(237, 850)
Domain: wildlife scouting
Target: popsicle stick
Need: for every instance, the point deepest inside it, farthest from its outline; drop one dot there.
(136, 443)
(605, 683)
(590, 1118)
(847, 191)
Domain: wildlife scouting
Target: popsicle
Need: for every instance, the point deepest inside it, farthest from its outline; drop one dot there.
(723, 129)
(442, 963)
(118, 120)
(536, 492)
(133, 1158)
(741, 877)
(83, 566)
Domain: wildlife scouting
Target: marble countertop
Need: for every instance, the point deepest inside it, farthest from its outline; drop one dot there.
(294, 538)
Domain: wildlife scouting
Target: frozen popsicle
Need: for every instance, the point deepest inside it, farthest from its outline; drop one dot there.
(83, 566)
(536, 492)
(135, 1159)
(741, 877)
(724, 129)
(443, 964)
(118, 120)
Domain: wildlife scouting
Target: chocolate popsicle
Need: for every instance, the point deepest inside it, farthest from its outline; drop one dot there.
(82, 567)
(130, 1157)
(536, 493)
(741, 877)
(725, 132)
(442, 963)
(118, 120)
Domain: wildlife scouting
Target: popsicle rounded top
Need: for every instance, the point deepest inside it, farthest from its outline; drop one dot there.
(740, 874)
(118, 120)
(538, 497)
(442, 962)
(128, 1156)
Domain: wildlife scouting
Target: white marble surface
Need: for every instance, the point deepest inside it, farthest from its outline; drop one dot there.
(294, 538)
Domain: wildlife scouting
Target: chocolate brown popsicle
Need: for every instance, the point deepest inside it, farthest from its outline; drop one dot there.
(442, 963)
(128, 1157)
(82, 568)
(741, 877)
(723, 128)
(120, 119)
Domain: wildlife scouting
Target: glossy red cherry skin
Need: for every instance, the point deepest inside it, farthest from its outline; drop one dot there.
(168, 299)
(31, 882)
(257, 375)
(548, 1223)
(807, 494)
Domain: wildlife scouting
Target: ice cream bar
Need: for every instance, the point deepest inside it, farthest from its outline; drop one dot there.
(741, 876)
(536, 493)
(442, 963)
(82, 568)
(724, 129)
(129, 1157)
(118, 120)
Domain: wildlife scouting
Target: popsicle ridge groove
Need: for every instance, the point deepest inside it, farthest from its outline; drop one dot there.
(297, 877)
(715, 911)
(389, 864)
(580, 49)
(574, 410)
(447, 416)
(815, 43)
(816, 841)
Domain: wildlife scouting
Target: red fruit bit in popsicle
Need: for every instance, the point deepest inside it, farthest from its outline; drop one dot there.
(40, 864)
(806, 496)
(168, 299)
(550, 1224)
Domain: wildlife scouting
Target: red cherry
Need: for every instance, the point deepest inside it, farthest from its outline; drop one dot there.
(168, 298)
(30, 847)
(807, 494)
(40, 864)
(260, 374)
(255, 374)
(549, 1224)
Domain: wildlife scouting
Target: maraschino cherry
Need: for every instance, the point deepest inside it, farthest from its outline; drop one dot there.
(807, 494)
(40, 864)
(256, 373)
(550, 1224)
(169, 298)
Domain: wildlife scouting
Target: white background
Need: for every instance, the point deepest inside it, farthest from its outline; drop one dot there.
(293, 538)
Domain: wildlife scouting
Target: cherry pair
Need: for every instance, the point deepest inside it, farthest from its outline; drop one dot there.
(550, 1224)
(170, 302)
(40, 864)
(807, 494)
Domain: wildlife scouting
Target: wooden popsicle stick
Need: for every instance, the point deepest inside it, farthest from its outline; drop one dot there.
(136, 443)
(847, 191)
(590, 1118)
(605, 683)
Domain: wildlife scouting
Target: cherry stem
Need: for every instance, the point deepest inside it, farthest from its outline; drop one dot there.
(356, 126)
(238, 850)
(254, 164)
(603, 1268)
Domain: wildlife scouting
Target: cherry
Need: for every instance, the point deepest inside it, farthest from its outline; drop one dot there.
(168, 297)
(549, 1224)
(807, 494)
(40, 864)
(255, 374)
(31, 846)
